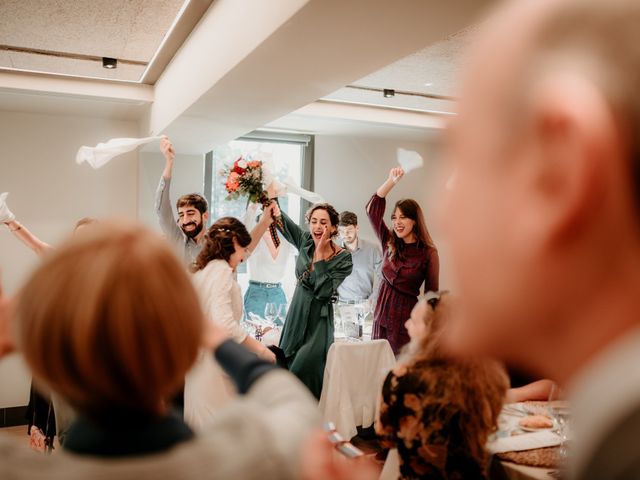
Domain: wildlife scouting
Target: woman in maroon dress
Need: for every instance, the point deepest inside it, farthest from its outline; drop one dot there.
(410, 259)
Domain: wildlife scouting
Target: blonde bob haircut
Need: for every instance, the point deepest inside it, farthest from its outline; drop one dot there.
(111, 321)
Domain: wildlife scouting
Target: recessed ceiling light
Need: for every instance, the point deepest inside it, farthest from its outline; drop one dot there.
(109, 62)
(388, 92)
(428, 84)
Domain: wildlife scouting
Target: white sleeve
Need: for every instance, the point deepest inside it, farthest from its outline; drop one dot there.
(216, 290)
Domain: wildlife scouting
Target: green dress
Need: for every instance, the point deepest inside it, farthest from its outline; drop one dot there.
(308, 330)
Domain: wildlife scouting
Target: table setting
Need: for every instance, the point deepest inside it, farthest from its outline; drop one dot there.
(531, 441)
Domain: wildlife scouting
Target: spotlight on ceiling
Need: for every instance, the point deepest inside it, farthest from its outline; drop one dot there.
(109, 62)
(388, 92)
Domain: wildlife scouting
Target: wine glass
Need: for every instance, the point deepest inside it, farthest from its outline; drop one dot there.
(560, 414)
(270, 312)
(281, 315)
(361, 313)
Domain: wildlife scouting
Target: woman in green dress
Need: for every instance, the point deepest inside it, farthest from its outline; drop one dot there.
(320, 268)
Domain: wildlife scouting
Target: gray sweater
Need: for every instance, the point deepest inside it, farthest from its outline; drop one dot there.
(259, 436)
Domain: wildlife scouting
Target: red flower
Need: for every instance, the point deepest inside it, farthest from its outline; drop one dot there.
(237, 168)
(233, 182)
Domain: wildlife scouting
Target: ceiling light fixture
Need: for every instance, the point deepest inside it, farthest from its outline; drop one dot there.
(391, 93)
(109, 63)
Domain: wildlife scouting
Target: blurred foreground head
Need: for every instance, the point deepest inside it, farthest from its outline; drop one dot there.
(110, 321)
(543, 215)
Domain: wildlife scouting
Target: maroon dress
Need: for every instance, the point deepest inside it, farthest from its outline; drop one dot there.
(400, 280)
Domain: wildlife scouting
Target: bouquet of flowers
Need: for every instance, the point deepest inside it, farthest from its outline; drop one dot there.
(245, 179)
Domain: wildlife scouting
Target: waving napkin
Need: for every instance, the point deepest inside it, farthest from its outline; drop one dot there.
(5, 213)
(409, 160)
(102, 153)
(288, 186)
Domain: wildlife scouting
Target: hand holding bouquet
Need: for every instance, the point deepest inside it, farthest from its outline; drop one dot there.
(245, 178)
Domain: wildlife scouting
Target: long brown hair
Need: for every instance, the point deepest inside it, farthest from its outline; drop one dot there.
(111, 321)
(412, 210)
(475, 387)
(218, 241)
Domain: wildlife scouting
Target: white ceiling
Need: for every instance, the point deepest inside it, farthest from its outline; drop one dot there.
(432, 70)
(129, 30)
(317, 125)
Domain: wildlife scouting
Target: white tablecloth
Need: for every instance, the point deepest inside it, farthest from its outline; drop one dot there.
(353, 380)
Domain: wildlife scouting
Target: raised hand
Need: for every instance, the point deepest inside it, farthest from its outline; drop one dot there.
(269, 212)
(166, 147)
(324, 239)
(396, 174)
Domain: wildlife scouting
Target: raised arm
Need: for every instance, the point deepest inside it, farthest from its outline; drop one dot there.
(23, 234)
(163, 207)
(290, 230)
(395, 174)
(261, 227)
(20, 231)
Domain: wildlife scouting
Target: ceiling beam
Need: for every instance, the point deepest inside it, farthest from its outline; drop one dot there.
(75, 87)
(323, 46)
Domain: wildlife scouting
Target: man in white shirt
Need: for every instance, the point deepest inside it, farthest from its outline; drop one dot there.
(542, 213)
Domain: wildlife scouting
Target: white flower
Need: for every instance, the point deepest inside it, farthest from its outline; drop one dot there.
(242, 164)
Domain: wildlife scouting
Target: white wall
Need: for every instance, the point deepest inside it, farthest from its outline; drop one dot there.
(348, 170)
(49, 193)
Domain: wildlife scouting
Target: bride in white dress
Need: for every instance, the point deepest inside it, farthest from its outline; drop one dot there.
(226, 244)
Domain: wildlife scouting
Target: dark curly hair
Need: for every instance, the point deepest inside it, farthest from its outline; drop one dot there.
(218, 241)
(334, 216)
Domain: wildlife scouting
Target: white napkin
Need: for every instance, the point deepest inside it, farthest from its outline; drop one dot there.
(409, 160)
(289, 185)
(5, 214)
(102, 153)
(526, 441)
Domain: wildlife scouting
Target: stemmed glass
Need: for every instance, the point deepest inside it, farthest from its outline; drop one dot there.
(270, 312)
(560, 414)
(281, 315)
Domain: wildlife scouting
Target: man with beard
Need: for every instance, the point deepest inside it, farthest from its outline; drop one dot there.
(193, 211)
(366, 261)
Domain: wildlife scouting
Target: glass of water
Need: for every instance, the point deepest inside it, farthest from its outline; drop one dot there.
(281, 315)
(560, 414)
(270, 312)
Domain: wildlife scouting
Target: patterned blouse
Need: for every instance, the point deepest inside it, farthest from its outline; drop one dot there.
(418, 418)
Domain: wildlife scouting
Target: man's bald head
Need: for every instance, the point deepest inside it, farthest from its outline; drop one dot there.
(545, 152)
